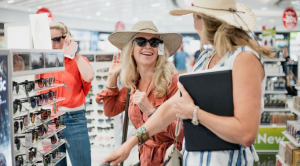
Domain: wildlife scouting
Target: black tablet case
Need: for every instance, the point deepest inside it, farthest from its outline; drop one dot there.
(212, 92)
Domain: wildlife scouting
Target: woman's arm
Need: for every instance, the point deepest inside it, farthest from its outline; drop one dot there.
(241, 129)
(85, 69)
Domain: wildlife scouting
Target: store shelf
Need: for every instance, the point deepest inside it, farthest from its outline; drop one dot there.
(53, 116)
(291, 139)
(50, 147)
(277, 109)
(277, 92)
(274, 60)
(37, 89)
(281, 160)
(272, 126)
(36, 109)
(275, 75)
(295, 112)
(58, 159)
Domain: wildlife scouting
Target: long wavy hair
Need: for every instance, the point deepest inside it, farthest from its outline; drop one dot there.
(228, 38)
(162, 76)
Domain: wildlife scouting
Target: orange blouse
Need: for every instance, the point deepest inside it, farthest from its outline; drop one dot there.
(153, 151)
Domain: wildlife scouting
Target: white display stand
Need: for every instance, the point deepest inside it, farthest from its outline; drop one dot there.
(43, 144)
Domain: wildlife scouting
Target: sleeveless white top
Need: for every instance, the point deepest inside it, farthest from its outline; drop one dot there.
(245, 156)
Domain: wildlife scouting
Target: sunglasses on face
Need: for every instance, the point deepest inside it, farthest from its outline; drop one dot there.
(101, 77)
(56, 40)
(142, 42)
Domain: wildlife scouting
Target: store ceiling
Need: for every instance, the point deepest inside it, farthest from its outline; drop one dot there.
(130, 11)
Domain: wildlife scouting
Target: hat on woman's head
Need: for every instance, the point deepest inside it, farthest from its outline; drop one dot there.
(172, 41)
(235, 14)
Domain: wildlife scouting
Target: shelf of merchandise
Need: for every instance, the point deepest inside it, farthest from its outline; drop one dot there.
(272, 126)
(36, 71)
(53, 146)
(37, 89)
(37, 108)
(277, 92)
(281, 160)
(275, 74)
(274, 60)
(291, 139)
(277, 109)
(295, 112)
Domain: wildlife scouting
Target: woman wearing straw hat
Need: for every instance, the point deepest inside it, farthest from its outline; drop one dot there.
(225, 25)
(145, 70)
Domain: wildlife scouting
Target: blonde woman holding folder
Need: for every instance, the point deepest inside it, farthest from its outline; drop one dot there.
(225, 25)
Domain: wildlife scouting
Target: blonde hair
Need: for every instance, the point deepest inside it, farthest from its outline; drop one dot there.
(228, 38)
(162, 76)
(60, 26)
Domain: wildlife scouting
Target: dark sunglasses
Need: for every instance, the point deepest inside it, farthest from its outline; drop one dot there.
(54, 139)
(44, 98)
(56, 40)
(19, 160)
(46, 160)
(100, 112)
(92, 137)
(100, 121)
(42, 82)
(54, 153)
(90, 121)
(18, 143)
(100, 87)
(56, 122)
(89, 112)
(101, 77)
(90, 128)
(28, 85)
(41, 130)
(45, 114)
(100, 129)
(16, 85)
(142, 42)
(32, 153)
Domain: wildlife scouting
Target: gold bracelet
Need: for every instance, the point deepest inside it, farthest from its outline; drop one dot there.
(112, 88)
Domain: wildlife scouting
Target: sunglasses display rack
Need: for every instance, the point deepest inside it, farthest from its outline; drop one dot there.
(35, 126)
(105, 133)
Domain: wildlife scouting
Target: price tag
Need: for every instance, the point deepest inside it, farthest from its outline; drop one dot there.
(67, 143)
(28, 139)
(66, 86)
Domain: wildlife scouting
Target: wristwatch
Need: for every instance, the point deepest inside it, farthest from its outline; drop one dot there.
(195, 117)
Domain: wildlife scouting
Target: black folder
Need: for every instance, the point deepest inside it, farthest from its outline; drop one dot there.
(212, 92)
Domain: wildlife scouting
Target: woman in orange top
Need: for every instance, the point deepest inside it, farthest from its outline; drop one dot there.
(155, 81)
(77, 76)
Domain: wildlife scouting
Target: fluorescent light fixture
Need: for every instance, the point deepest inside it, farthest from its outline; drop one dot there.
(263, 8)
(155, 5)
(135, 19)
(98, 13)
(88, 17)
(78, 9)
(107, 4)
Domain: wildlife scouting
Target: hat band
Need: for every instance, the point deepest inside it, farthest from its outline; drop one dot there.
(148, 29)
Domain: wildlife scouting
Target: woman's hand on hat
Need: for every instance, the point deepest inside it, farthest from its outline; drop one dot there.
(69, 39)
(140, 98)
(116, 66)
(184, 105)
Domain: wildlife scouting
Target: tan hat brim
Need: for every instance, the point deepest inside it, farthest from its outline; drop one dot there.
(172, 41)
(244, 20)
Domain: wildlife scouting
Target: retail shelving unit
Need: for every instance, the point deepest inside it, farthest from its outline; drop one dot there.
(29, 72)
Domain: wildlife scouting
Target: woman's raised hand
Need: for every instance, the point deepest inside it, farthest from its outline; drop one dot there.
(116, 65)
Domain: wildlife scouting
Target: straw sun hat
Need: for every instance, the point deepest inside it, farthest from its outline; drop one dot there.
(172, 41)
(235, 14)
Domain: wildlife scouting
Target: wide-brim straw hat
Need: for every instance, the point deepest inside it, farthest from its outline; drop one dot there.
(235, 14)
(172, 41)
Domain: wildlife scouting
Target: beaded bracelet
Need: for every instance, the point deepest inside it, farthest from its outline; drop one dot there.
(142, 135)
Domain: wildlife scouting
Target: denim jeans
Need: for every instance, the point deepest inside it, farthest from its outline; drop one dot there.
(76, 134)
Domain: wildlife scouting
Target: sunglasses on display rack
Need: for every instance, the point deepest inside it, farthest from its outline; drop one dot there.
(17, 105)
(90, 120)
(107, 138)
(99, 78)
(16, 86)
(90, 128)
(19, 160)
(54, 153)
(100, 112)
(108, 120)
(45, 113)
(44, 98)
(32, 153)
(57, 122)
(41, 130)
(18, 143)
(42, 82)
(92, 137)
(142, 42)
(103, 70)
(17, 125)
(88, 112)
(28, 85)
(100, 87)
(56, 40)
(54, 139)
(47, 160)
(101, 129)
(105, 146)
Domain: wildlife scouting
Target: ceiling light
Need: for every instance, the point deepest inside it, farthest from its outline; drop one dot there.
(10, 1)
(107, 4)
(135, 19)
(98, 13)
(155, 5)
(39, 7)
(78, 9)
(263, 8)
(29, 9)
(88, 17)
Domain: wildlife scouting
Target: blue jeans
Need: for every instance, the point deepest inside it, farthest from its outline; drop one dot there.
(77, 137)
